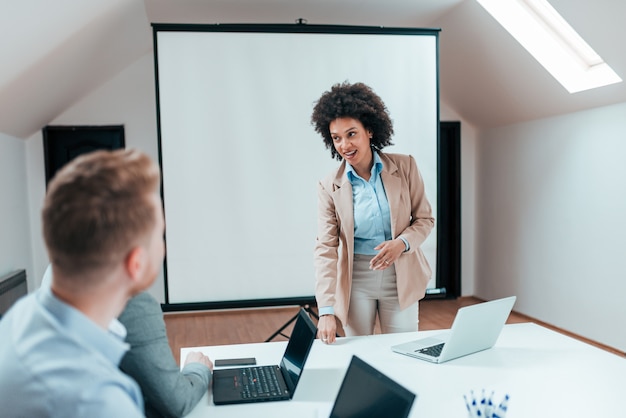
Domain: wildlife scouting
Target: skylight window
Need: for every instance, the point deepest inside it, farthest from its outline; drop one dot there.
(539, 28)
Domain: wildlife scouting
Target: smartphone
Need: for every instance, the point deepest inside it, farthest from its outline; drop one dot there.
(226, 362)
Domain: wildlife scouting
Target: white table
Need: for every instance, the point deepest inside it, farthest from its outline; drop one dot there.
(546, 374)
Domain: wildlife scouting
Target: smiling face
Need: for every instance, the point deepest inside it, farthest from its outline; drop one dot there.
(352, 141)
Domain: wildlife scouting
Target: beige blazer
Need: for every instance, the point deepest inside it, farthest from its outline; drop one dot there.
(411, 218)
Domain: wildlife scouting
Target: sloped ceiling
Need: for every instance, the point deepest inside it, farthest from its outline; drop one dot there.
(490, 80)
(55, 53)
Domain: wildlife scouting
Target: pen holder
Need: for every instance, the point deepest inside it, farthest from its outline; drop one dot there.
(485, 406)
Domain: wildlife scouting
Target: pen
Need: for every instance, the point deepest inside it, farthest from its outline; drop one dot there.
(469, 408)
(483, 401)
(489, 406)
(472, 406)
(502, 408)
(476, 409)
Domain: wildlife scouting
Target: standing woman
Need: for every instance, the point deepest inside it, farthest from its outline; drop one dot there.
(373, 216)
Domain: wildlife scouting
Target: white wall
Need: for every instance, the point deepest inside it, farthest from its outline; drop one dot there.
(127, 99)
(15, 253)
(550, 227)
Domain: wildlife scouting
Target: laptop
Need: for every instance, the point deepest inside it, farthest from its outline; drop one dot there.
(475, 328)
(268, 383)
(365, 392)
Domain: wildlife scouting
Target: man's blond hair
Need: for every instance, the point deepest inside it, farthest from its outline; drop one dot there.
(97, 208)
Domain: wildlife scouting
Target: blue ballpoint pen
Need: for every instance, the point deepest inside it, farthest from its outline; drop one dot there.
(472, 406)
(502, 408)
(489, 407)
(469, 408)
(477, 411)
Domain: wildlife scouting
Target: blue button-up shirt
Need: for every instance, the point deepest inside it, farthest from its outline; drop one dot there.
(56, 362)
(372, 219)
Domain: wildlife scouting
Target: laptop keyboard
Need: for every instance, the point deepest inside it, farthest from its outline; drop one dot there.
(259, 382)
(433, 351)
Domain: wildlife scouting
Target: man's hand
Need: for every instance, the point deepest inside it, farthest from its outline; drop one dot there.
(198, 357)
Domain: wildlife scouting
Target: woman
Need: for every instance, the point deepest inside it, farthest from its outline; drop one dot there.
(373, 216)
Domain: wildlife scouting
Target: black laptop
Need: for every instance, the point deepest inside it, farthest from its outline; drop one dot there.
(365, 392)
(268, 383)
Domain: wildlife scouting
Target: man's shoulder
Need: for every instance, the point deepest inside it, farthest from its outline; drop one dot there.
(22, 321)
(62, 386)
(46, 368)
(42, 343)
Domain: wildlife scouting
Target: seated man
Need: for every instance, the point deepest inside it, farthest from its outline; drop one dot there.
(103, 228)
(167, 391)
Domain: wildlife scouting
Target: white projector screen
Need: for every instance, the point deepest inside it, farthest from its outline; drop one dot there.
(241, 160)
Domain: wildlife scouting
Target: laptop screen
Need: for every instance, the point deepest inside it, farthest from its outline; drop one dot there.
(297, 351)
(366, 392)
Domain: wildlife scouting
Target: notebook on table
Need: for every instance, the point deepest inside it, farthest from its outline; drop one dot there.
(268, 383)
(365, 392)
(475, 328)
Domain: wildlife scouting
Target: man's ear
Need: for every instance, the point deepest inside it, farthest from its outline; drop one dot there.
(135, 263)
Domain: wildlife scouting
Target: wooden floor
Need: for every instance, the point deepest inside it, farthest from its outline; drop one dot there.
(192, 329)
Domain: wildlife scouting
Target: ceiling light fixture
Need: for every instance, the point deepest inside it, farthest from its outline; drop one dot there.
(539, 28)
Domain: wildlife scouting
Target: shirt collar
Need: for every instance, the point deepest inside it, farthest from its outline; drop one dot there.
(376, 168)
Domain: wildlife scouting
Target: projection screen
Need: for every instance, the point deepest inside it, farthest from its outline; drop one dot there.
(241, 161)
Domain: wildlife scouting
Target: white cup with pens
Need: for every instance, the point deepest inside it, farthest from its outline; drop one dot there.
(485, 407)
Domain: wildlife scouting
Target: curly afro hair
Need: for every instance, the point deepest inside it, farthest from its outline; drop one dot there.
(357, 101)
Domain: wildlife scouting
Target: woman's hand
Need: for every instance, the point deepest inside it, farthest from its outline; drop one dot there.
(327, 329)
(388, 253)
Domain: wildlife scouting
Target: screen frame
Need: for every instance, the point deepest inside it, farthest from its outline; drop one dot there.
(446, 204)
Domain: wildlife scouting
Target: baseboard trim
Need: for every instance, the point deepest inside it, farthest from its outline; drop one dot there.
(559, 330)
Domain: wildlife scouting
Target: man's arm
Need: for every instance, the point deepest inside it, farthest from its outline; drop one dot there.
(150, 362)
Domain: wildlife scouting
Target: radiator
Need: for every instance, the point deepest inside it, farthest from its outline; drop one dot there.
(12, 287)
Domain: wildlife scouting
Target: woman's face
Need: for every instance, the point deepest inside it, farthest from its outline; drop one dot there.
(352, 142)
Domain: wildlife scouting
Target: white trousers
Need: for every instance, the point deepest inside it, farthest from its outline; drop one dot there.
(375, 292)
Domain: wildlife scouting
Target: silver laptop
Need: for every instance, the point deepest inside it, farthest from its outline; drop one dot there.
(475, 328)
